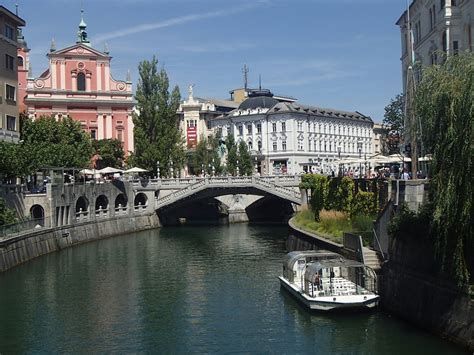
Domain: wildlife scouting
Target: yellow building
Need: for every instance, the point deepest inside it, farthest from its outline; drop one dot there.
(9, 121)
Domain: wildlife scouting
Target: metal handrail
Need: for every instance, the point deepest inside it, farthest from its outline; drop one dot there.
(378, 243)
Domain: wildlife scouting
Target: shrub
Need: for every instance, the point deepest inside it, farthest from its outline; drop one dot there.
(363, 203)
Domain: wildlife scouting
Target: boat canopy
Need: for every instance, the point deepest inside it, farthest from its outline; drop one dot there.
(314, 268)
(292, 257)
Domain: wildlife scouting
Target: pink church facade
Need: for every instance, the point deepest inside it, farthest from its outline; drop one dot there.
(79, 84)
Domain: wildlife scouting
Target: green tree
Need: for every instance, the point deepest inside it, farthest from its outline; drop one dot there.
(444, 103)
(110, 151)
(7, 215)
(232, 155)
(394, 118)
(47, 142)
(245, 159)
(206, 156)
(157, 134)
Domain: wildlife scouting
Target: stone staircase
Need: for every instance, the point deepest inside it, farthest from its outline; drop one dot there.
(371, 259)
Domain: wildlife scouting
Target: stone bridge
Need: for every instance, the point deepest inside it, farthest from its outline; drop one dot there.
(64, 204)
(236, 193)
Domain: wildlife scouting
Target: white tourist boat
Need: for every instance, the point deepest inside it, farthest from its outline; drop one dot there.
(324, 281)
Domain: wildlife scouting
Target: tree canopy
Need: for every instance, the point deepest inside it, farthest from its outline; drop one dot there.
(157, 135)
(444, 104)
(206, 156)
(110, 152)
(394, 118)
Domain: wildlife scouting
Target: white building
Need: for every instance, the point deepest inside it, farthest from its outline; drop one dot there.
(437, 25)
(287, 137)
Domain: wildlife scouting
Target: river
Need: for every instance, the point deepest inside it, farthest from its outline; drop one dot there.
(210, 289)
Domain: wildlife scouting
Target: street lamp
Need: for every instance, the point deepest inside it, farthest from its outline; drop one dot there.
(359, 147)
(171, 169)
(157, 169)
(339, 152)
(202, 170)
(237, 169)
(256, 166)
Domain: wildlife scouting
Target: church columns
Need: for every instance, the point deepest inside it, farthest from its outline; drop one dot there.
(53, 74)
(74, 81)
(88, 81)
(100, 126)
(63, 74)
(99, 76)
(107, 77)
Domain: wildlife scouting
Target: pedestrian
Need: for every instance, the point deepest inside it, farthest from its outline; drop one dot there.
(405, 175)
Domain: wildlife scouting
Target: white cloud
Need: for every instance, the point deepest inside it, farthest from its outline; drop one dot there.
(174, 21)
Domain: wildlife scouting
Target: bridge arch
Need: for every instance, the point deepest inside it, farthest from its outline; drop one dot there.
(82, 204)
(140, 200)
(101, 202)
(121, 202)
(37, 213)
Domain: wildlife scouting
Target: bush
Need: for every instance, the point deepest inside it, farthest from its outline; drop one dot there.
(363, 203)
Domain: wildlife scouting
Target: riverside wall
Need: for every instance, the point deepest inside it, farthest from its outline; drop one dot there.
(411, 292)
(22, 248)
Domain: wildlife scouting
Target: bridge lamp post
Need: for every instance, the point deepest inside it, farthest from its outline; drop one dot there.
(359, 147)
(237, 169)
(202, 170)
(158, 169)
(171, 169)
(256, 166)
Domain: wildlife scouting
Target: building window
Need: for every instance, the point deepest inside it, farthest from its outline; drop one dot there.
(9, 60)
(455, 47)
(444, 41)
(9, 32)
(274, 127)
(300, 126)
(9, 92)
(283, 145)
(309, 145)
(250, 146)
(93, 134)
(241, 130)
(259, 145)
(11, 123)
(249, 129)
(300, 145)
(275, 146)
(81, 82)
(19, 60)
(219, 132)
(283, 127)
(120, 135)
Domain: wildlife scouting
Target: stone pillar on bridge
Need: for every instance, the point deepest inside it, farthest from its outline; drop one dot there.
(237, 212)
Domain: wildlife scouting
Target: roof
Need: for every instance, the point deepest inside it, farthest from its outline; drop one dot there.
(14, 17)
(219, 102)
(258, 102)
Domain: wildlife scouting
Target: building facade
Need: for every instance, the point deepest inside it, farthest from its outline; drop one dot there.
(285, 137)
(9, 96)
(437, 26)
(79, 84)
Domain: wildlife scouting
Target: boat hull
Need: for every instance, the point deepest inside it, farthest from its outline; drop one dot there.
(327, 303)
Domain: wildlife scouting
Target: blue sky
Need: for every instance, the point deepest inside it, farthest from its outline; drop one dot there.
(331, 53)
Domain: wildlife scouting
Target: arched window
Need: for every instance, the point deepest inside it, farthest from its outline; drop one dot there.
(81, 82)
(20, 61)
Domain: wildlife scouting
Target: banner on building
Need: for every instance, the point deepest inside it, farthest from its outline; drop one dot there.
(191, 134)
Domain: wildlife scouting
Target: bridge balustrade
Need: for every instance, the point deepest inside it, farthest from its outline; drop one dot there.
(120, 210)
(102, 212)
(82, 216)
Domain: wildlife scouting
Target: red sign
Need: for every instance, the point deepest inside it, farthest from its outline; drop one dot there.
(191, 135)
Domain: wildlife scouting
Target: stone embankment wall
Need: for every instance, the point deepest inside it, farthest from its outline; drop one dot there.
(22, 248)
(411, 292)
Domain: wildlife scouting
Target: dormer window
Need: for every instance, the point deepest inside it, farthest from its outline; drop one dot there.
(81, 82)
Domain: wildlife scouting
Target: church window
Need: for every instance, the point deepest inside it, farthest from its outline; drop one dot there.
(81, 82)
(20, 61)
(93, 134)
(120, 135)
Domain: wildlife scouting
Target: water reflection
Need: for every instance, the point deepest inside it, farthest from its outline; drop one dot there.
(180, 290)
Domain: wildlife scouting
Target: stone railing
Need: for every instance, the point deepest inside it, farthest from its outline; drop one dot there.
(267, 185)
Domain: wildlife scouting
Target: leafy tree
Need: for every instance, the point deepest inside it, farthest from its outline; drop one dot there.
(157, 134)
(110, 151)
(245, 159)
(232, 155)
(10, 162)
(7, 215)
(444, 103)
(206, 156)
(47, 142)
(394, 117)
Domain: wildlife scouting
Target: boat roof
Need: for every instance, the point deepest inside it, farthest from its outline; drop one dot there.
(292, 257)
